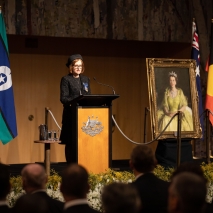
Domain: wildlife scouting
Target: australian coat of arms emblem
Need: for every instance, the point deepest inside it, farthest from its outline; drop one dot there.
(92, 126)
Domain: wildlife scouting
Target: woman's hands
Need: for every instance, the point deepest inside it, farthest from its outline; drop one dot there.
(170, 114)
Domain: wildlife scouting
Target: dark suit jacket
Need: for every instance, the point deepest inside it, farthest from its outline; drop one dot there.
(55, 206)
(153, 193)
(83, 208)
(209, 208)
(69, 90)
(4, 209)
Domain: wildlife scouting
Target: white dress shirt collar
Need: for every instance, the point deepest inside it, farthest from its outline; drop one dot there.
(75, 202)
(3, 203)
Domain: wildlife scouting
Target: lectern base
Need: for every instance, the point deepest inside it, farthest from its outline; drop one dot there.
(166, 152)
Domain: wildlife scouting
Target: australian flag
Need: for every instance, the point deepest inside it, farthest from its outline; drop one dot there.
(196, 56)
(8, 129)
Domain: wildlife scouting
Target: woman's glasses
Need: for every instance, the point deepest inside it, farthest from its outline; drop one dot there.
(77, 66)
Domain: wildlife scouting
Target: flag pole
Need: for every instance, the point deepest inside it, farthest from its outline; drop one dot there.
(207, 137)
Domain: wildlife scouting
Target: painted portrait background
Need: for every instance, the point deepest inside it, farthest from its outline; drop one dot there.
(162, 82)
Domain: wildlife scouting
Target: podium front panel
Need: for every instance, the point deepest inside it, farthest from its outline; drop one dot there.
(93, 138)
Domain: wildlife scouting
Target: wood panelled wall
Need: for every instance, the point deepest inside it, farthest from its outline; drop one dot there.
(37, 66)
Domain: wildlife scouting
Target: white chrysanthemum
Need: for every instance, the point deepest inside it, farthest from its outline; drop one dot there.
(209, 192)
(13, 196)
(94, 197)
(55, 194)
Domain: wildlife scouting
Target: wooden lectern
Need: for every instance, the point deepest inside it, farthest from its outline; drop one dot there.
(92, 131)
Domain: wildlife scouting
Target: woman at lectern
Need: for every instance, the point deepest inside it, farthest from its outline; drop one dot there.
(174, 100)
(72, 85)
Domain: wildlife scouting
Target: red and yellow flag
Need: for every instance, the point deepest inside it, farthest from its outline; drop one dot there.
(209, 69)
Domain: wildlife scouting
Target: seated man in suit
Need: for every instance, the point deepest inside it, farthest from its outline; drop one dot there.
(120, 198)
(74, 187)
(187, 193)
(152, 190)
(31, 203)
(4, 187)
(34, 180)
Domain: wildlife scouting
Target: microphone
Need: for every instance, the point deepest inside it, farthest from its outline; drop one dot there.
(105, 85)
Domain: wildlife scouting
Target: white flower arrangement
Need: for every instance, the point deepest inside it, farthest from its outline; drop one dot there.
(209, 196)
(94, 197)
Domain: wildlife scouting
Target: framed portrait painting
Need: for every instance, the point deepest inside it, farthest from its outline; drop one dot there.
(172, 88)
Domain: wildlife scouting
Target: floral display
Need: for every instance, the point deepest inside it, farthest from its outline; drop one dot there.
(97, 181)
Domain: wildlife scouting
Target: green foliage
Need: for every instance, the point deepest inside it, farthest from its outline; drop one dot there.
(108, 177)
(162, 173)
(53, 180)
(208, 171)
(16, 183)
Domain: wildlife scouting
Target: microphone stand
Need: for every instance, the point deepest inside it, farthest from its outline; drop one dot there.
(105, 85)
(179, 138)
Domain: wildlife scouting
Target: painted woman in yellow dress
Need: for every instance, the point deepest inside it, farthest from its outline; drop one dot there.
(173, 101)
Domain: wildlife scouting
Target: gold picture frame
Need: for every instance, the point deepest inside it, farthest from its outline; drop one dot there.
(172, 87)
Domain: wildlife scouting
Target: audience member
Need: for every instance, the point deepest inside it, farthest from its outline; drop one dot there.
(187, 194)
(195, 169)
(74, 187)
(31, 203)
(4, 187)
(120, 198)
(189, 167)
(34, 180)
(152, 190)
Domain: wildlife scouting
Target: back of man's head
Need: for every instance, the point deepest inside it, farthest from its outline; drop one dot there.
(142, 159)
(34, 177)
(189, 167)
(74, 182)
(120, 198)
(187, 193)
(4, 181)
